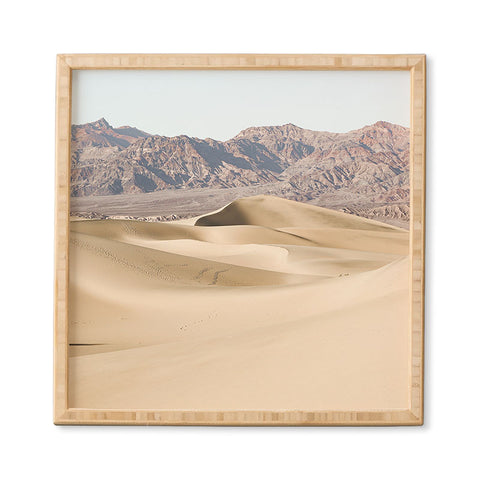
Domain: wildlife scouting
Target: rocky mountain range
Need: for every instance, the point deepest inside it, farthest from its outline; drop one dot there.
(364, 171)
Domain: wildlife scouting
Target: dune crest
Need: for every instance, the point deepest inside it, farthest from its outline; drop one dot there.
(274, 212)
(264, 304)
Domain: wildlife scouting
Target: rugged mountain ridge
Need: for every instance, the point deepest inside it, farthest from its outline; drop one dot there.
(102, 134)
(367, 168)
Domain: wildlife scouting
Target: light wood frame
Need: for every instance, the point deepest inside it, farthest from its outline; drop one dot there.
(66, 63)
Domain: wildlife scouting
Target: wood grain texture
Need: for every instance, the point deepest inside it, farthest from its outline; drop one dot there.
(62, 209)
(240, 61)
(416, 64)
(417, 233)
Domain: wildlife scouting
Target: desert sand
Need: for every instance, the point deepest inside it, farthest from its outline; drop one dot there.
(267, 304)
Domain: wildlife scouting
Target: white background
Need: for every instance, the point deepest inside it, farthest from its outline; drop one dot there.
(33, 32)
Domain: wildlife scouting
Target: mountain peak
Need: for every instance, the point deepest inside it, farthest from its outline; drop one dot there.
(270, 129)
(388, 125)
(382, 123)
(101, 123)
(101, 134)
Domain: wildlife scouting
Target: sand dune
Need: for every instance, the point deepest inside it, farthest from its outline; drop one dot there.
(268, 211)
(265, 304)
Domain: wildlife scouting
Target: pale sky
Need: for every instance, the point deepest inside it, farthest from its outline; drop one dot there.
(219, 104)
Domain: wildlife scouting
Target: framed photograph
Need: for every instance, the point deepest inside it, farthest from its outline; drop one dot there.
(239, 239)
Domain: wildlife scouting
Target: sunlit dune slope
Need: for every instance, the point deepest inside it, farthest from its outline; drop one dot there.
(274, 212)
(265, 304)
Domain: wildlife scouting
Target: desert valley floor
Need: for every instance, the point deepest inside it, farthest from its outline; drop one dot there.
(266, 304)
